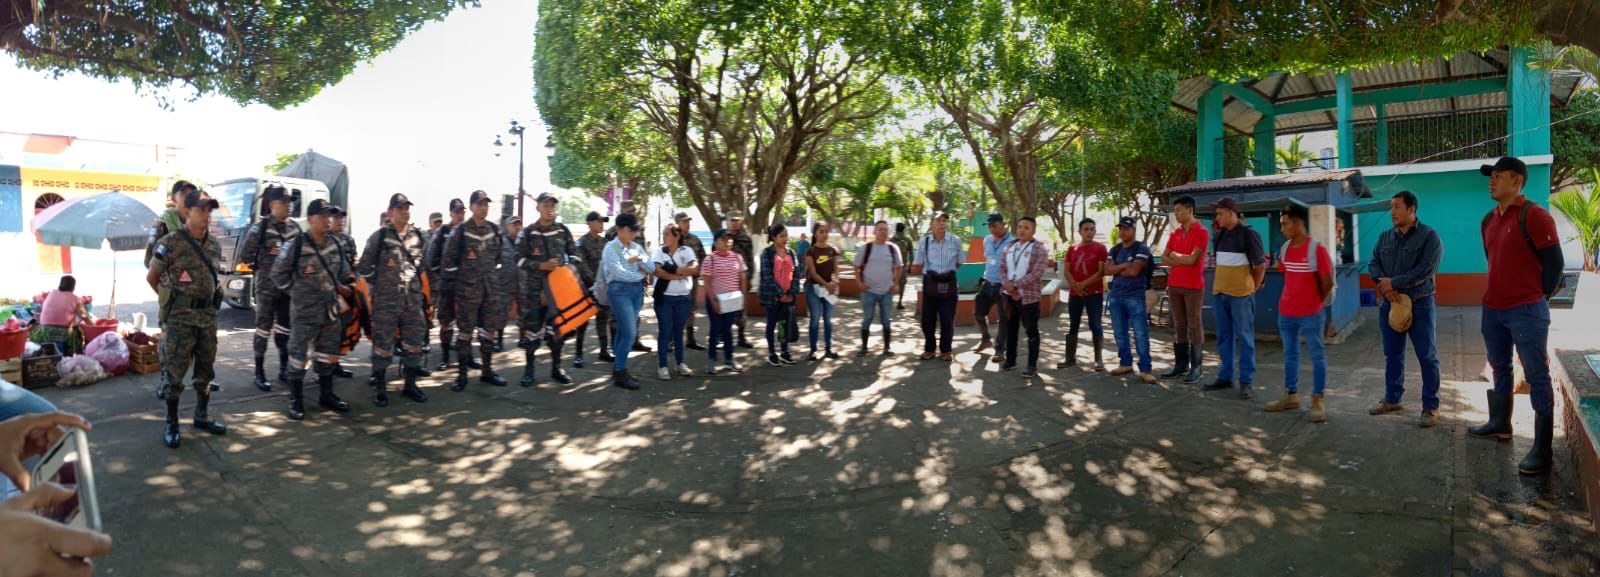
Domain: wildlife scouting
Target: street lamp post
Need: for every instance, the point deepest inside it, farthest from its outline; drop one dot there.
(517, 130)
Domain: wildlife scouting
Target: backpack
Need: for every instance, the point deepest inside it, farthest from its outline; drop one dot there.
(1522, 224)
(1311, 263)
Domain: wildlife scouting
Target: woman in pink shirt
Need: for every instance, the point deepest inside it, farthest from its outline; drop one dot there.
(61, 311)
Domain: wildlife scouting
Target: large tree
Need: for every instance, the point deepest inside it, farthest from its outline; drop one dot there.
(1575, 140)
(278, 53)
(1018, 88)
(742, 93)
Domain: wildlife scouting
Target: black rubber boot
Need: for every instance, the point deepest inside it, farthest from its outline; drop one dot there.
(1539, 459)
(1180, 362)
(691, 343)
(170, 436)
(1099, 352)
(1196, 370)
(341, 372)
(202, 418)
(556, 374)
(528, 361)
(327, 399)
(297, 399)
(411, 391)
(488, 375)
(380, 394)
(1499, 425)
(865, 336)
(888, 349)
(1072, 353)
(261, 373)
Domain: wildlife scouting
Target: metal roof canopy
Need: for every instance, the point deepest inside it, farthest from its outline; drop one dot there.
(1270, 193)
(1404, 83)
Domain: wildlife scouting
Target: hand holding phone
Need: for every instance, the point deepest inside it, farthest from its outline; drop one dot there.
(67, 464)
(32, 544)
(27, 436)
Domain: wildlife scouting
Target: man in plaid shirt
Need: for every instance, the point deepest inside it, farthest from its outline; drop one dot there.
(1022, 279)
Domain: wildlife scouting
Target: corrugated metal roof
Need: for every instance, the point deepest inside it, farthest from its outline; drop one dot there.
(1265, 181)
(1282, 88)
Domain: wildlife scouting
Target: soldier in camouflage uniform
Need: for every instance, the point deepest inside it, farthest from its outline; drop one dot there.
(745, 247)
(694, 244)
(170, 220)
(591, 247)
(347, 245)
(544, 246)
(262, 244)
(392, 265)
(471, 262)
(507, 286)
(444, 296)
(313, 272)
(903, 240)
(185, 261)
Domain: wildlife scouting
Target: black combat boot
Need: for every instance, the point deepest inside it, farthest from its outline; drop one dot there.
(1539, 459)
(556, 374)
(744, 343)
(1180, 362)
(170, 437)
(888, 350)
(327, 399)
(528, 361)
(693, 344)
(380, 385)
(297, 399)
(1499, 425)
(445, 344)
(202, 419)
(461, 375)
(261, 373)
(283, 361)
(422, 369)
(341, 372)
(488, 375)
(865, 336)
(411, 391)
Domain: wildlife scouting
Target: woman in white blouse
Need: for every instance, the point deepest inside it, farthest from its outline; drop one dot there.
(676, 268)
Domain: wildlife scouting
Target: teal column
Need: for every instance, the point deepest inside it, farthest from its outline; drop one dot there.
(1266, 160)
(1344, 100)
(1383, 134)
(1208, 146)
(1528, 106)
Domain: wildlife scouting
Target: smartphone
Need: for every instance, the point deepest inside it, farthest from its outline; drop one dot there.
(67, 464)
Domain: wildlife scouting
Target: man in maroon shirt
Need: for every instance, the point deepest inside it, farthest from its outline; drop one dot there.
(1525, 263)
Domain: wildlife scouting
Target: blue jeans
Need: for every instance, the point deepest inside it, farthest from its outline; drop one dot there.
(820, 311)
(626, 300)
(672, 317)
(1236, 318)
(1527, 329)
(1292, 329)
(1128, 312)
(16, 401)
(879, 304)
(1424, 319)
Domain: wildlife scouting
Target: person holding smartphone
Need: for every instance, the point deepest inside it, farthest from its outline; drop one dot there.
(29, 543)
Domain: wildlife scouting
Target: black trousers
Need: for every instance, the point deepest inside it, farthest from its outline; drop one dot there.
(1094, 305)
(940, 311)
(1022, 315)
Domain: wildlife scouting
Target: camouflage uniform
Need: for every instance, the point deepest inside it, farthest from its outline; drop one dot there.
(507, 289)
(392, 266)
(744, 246)
(906, 245)
(540, 244)
(444, 299)
(306, 271)
(590, 249)
(189, 315)
(694, 244)
(272, 305)
(471, 263)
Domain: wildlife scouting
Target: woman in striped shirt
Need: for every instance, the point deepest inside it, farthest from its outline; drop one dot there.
(723, 271)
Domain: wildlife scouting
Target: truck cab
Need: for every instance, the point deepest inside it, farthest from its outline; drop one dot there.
(240, 209)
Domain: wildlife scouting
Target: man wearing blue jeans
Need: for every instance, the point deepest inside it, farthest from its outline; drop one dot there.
(1403, 265)
(1240, 270)
(1307, 284)
(1128, 264)
(1525, 263)
(878, 266)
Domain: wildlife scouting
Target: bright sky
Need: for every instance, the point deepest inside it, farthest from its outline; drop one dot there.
(420, 119)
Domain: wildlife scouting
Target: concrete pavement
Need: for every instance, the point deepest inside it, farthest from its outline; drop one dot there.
(864, 466)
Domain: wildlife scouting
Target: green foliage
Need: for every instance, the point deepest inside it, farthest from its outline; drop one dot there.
(278, 53)
(1583, 211)
(1575, 140)
(283, 160)
(1294, 158)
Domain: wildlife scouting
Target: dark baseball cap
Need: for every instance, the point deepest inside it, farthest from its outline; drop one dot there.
(680, 217)
(197, 198)
(320, 206)
(456, 204)
(506, 222)
(1510, 163)
(545, 197)
(594, 216)
(1228, 203)
(628, 221)
(274, 192)
(479, 196)
(398, 200)
(1126, 222)
(995, 218)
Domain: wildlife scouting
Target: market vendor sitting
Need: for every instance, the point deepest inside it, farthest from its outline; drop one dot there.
(61, 312)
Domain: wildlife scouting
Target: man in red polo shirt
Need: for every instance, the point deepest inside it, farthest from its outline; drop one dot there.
(1525, 263)
(1185, 257)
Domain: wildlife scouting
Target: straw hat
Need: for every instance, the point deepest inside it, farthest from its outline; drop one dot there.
(1400, 314)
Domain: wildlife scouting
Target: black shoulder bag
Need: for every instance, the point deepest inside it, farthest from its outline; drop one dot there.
(216, 279)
